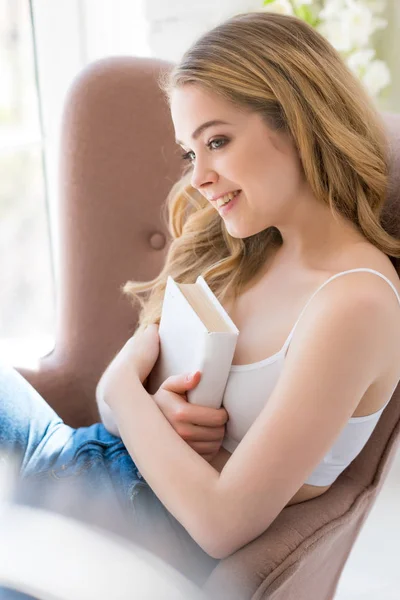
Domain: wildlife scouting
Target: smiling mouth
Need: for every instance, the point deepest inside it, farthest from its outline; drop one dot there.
(227, 198)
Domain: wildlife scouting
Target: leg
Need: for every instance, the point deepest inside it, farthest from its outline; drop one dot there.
(26, 421)
(46, 448)
(30, 431)
(88, 474)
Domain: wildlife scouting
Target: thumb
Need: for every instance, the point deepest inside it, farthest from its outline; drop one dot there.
(181, 383)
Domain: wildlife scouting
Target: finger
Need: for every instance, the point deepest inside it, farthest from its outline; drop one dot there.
(181, 383)
(205, 447)
(205, 416)
(193, 413)
(202, 434)
(201, 416)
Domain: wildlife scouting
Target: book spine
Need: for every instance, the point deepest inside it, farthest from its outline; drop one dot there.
(219, 349)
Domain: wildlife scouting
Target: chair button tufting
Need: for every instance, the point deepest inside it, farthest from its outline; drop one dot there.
(157, 241)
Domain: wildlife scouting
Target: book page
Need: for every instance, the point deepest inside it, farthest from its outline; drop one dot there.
(204, 308)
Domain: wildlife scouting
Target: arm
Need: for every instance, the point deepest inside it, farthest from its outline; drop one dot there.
(105, 412)
(337, 352)
(201, 427)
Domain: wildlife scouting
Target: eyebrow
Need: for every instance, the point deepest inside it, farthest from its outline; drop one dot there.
(204, 126)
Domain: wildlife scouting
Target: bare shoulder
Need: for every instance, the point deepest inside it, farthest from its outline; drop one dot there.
(368, 286)
(372, 258)
(360, 304)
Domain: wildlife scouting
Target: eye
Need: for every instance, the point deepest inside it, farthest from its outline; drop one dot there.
(217, 143)
(190, 156)
(214, 144)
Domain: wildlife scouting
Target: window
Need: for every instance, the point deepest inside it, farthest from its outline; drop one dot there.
(27, 291)
(43, 46)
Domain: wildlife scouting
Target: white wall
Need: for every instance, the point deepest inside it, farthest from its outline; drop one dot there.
(175, 24)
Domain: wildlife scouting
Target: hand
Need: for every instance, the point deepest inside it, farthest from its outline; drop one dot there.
(143, 349)
(134, 361)
(201, 427)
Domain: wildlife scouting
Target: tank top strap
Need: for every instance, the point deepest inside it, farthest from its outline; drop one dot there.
(286, 344)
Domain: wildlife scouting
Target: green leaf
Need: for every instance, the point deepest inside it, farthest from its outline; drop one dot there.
(304, 12)
(266, 2)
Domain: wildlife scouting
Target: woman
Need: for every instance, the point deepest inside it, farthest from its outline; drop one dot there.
(280, 212)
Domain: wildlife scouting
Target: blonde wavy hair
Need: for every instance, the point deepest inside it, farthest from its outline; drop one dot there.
(283, 69)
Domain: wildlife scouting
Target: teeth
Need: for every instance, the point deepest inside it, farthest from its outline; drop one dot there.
(225, 199)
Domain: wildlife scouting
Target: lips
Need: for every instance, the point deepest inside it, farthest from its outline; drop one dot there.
(228, 206)
(225, 198)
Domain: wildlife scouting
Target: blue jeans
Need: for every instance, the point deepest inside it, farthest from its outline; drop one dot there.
(75, 470)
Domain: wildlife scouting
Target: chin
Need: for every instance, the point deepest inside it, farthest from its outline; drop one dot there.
(242, 233)
(237, 234)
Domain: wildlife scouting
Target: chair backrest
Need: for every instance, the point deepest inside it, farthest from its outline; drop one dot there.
(118, 163)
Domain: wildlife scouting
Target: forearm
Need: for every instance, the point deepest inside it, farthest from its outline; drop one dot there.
(105, 412)
(184, 482)
(107, 417)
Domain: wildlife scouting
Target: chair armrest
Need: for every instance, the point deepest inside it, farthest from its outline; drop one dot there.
(69, 393)
(294, 547)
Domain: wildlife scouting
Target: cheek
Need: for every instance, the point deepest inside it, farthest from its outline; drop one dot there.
(276, 176)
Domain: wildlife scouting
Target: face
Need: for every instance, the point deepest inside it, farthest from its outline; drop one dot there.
(236, 157)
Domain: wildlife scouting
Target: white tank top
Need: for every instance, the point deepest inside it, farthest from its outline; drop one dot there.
(249, 387)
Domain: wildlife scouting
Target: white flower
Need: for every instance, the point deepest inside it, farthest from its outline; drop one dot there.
(351, 28)
(376, 77)
(337, 34)
(359, 60)
(333, 9)
(282, 7)
(359, 21)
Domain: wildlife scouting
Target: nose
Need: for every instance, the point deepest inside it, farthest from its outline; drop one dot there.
(202, 175)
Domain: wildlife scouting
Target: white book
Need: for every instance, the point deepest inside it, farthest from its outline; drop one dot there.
(196, 334)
